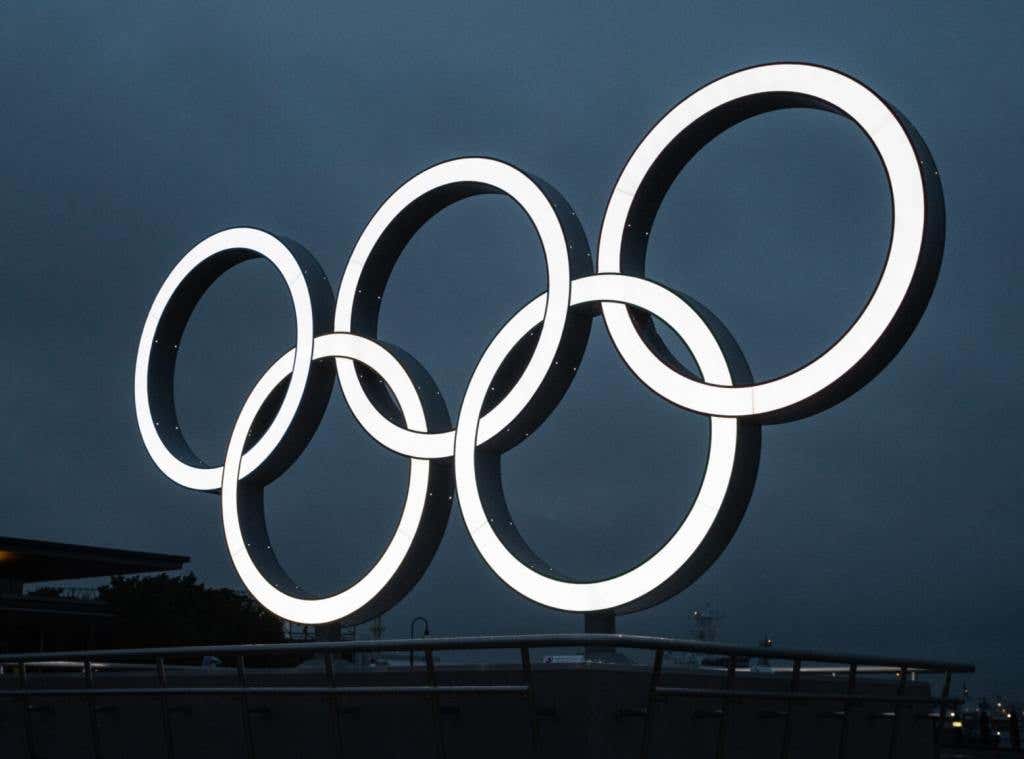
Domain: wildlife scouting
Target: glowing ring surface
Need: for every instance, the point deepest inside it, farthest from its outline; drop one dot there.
(632, 589)
(389, 578)
(531, 361)
(482, 175)
(182, 465)
(781, 396)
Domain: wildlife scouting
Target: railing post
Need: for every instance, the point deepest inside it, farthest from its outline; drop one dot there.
(787, 730)
(531, 698)
(527, 674)
(94, 725)
(435, 702)
(30, 746)
(161, 676)
(851, 685)
(941, 721)
(723, 723)
(897, 712)
(250, 745)
(335, 700)
(652, 688)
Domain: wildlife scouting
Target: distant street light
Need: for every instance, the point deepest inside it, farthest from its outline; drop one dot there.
(412, 633)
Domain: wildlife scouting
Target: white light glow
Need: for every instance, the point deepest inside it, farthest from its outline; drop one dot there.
(268, 246)
(518, 186)
(365, 591)
(735, 410)
(901, 164)
(646, 578)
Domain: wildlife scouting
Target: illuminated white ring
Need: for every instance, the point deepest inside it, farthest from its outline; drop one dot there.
(645, 580)
(531, 198)
(196, 475)
(900, 160)
(376, 585)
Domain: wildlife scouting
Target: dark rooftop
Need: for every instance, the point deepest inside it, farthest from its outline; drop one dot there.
(42, 561)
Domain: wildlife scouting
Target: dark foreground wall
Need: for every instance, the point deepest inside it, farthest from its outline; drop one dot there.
(584, 711)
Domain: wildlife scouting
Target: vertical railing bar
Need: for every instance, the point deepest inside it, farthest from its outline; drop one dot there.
(730, 682)
(250, 744)
(787, 730)
(947, 682)
(335, 700)
(897, 712)
(161, 676)
(94, 726)
(938, 724)
(531, 698)
(435, 702)
(851, 685)
(652, 688)
(30, 747)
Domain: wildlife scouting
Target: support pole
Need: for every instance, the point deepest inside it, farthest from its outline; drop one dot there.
(599, 623)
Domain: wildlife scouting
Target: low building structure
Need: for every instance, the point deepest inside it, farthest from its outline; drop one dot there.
(55, 616)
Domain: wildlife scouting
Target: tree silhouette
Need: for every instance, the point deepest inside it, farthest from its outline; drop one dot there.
(160, 610)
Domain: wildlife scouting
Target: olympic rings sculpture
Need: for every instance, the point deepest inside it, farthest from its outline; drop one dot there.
(531, 361)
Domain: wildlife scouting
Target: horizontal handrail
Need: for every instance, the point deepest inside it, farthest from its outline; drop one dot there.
(784, 695)
(476, 643)
(258, 690)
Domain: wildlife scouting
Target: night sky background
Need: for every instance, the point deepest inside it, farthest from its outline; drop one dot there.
(889, 524)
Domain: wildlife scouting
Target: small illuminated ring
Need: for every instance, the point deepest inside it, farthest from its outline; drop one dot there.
(161, 334)
(424, 515)
(715, 512)
(382, 242)
(905, 282)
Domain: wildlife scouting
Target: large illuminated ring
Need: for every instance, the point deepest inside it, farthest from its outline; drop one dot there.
(533, 358)
(382, 242)
(902, 290)
(419, 530)
(706, 528)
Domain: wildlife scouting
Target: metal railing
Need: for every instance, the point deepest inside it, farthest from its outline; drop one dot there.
(722, 697)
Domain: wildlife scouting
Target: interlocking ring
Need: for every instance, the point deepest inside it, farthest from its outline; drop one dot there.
(158, 351)
(409, 208)
(900, 295)
(716, 510)
(419, 530)
(530, 363)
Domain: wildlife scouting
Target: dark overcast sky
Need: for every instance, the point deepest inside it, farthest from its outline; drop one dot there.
(888, 524)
